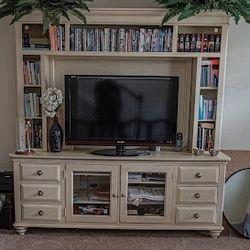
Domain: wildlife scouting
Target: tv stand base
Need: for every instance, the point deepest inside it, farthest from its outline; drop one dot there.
(120, 151)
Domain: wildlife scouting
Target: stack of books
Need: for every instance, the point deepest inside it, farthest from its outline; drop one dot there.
(207, 109)
(205, 137)
(36, 134)
(31, 72)
(56, 38)
(32, 105)
(210, 73)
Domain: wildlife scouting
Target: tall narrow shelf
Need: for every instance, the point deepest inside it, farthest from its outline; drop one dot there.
(185, 63)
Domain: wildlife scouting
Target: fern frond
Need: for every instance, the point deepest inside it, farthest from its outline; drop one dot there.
(187, 8)
(52, 10)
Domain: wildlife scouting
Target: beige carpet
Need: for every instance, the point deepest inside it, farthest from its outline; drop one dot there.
(51, 239)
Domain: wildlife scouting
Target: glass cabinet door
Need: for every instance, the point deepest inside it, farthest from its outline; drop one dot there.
(94, 193)
(146, 193)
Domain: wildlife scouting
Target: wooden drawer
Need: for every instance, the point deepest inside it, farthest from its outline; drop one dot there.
(40, 192)
(199, 175)
(196, 195)
(200, 215)
(42, 172)
(40, 212)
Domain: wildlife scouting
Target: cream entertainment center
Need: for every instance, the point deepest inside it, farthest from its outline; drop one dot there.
(163, 190)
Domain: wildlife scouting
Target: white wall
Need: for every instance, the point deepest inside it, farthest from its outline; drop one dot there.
(236, 121)
(7, 93)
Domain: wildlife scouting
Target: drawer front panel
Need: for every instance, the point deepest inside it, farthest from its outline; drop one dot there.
(196, 195)
(199, 215)
(42, 172)
(202, 175)
(40, 192)
(37, 212)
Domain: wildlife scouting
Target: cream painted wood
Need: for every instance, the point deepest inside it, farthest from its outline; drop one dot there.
(187, 120)
(40, 172)
(131, 16)
(196, 215)
(221, 86)
(40, 192)
(118, 167)
(88, 167)
(44, 84)
(17, 195)
(166, 169)
(41, 212)
(221, 190)
(197, 195)
(128, 226)
(54, 64)
(198, 174)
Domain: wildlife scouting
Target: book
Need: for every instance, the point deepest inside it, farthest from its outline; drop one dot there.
(211, 43)
(181, 42)
(217, 43)
(205, 43)
(193, 43)
(187, 43)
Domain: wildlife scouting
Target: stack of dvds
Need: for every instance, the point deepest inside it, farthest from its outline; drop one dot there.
(121, 39)
(199, 42)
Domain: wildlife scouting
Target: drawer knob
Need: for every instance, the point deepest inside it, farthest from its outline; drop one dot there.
(39, 172)
(196, 216)
(114, 195)
(40, 213)
(123, 195)
(40, 193)
(198, 175)
(197, 195)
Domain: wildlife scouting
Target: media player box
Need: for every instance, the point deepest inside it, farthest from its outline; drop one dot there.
(6, 181)
(6, 188)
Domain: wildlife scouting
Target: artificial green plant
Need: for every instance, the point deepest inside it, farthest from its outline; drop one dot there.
(52, 10)
(187, 8)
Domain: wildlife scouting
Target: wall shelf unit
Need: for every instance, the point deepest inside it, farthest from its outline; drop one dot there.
(192, 63)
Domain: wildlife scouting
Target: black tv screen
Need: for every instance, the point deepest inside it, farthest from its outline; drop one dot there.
(108, 110)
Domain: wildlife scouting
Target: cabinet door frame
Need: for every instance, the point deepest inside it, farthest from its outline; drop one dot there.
(168, 170)
(113, 169)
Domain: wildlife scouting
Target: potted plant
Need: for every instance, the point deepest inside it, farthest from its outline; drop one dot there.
(52, 10)
(187, 8)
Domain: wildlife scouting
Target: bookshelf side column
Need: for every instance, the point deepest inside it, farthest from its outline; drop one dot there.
(20, 84)
(221, 87)
(44, 85)
(196, 106)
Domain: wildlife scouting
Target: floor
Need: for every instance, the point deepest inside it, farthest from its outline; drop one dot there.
(57, 239)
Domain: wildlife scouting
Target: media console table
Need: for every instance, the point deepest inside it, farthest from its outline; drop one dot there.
(161, 191)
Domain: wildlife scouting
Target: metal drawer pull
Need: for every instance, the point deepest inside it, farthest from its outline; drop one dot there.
(197, 195)
(198, 175)
(40, 193)
(39, 172)
(196, 216)
(40, 213)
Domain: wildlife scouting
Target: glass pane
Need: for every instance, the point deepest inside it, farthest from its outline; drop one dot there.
(91, 193)
(146, 194)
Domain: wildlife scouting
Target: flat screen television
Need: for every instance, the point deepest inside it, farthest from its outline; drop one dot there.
(120, 110)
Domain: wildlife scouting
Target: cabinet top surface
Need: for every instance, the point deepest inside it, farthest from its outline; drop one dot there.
(85, 154)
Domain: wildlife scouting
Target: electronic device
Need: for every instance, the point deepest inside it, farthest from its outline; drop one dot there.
(120, 111)
(7, 215)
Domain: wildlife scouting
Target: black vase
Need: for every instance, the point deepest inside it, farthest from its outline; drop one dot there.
(55, 136)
